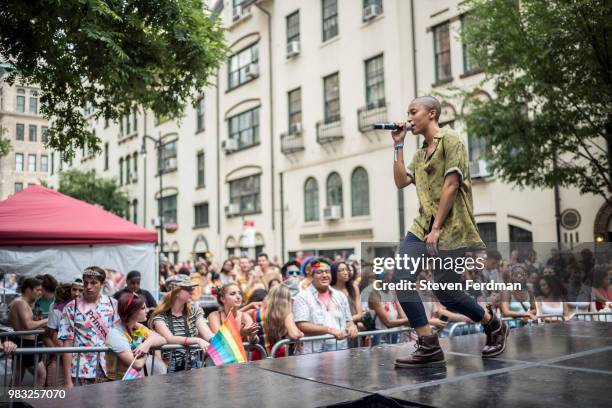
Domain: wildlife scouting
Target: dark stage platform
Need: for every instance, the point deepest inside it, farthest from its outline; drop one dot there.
(561, 364)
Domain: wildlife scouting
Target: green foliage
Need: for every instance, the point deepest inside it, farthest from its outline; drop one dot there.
(86, 186)
(550, 62)
(115, 54)
(5, 144)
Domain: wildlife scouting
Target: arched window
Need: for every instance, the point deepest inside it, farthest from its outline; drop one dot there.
(311, 200)
(360, 192)
(334, 191)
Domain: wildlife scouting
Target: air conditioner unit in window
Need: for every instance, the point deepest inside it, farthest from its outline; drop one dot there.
(171, 163)
(293, 48)
(371, 11)
(479, 168)
(295, 129)
(232, 209)
(252, 70)
(239, 13)
(332, 212)
(229, 145)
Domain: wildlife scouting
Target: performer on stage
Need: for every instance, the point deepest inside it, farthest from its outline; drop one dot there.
(445, 227)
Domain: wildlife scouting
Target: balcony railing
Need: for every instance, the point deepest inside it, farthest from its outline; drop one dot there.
(291, 143)
(329, 132)
(368, 115)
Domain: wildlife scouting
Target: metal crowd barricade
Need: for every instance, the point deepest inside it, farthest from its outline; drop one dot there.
(360, 335)
(17, 338)
(463, 328)
(39, 352)
(593, 316)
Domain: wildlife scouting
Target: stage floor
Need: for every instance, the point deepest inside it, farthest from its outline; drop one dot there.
(560, 364)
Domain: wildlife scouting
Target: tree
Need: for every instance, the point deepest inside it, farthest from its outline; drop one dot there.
(5, 144)
(86, 186)
(113, 54)
(550, 63)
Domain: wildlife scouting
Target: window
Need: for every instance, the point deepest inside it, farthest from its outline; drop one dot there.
(239, 4)
(120, 127)
(311, 200)
(367, 3)
(32, 163)
(468, 60)
(19, 132)
(52, 162)
(334, 191)
(18, 161)
(18, 187)
(121, 171)
(43, 133)
(135, 211)
(135, 161)
(520, 239)
(360, 192)
(244, 127)
(128, 169)
(34, 105)
(44, 163)
(20, 103)
(106, 123)
(168, 209)
(487, 231)
(293, 27)
(330, 19)
(331, 92)
(375, 82)
(201, 215)
(246, 193)
(200, 114)
(32, 133)
(167, 161)
(477, 147)
(106, 156)
(128, 124)
(240, 70)
(295, 108)
(200, 175)
(442, 60)
(128, 210)
(135, 118)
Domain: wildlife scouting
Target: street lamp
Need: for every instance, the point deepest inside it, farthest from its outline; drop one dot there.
(143, 153)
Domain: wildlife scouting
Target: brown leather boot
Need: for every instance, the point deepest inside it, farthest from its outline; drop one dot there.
(497, 332)
(427, 354)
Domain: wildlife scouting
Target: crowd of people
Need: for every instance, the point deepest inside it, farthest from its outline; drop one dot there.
(306, 296)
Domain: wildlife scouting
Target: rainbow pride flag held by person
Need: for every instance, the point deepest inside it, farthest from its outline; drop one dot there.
(226, 346)
(260, 317)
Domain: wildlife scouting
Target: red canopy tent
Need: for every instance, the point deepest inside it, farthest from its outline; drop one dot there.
(40, 216)
(42, 230)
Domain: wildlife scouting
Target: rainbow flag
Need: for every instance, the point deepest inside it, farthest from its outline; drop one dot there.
(260, 317)
(226, 346)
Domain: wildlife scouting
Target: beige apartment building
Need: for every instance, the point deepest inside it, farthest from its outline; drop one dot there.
(280, 156)
(28, 161)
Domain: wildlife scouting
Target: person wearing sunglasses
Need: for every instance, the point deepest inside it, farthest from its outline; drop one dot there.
(181, 321)
(292, 276)
(320, 309)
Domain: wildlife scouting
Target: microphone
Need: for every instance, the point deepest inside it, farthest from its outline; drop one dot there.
(392, 126)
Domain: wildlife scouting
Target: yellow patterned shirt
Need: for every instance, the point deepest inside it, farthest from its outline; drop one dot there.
(450, 155)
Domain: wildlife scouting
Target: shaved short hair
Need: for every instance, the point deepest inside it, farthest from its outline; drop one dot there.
(430, 103)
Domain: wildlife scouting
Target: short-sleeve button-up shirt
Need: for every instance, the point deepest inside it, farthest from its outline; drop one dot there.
(308, 308)
(450, 155)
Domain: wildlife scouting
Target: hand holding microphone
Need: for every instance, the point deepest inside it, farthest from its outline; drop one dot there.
(398, 130)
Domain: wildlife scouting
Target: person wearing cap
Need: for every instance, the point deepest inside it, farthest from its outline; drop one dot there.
(85, 322)
(133, 286)
(321, 309)
(181, 321)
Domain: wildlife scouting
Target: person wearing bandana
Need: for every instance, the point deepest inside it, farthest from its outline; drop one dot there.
(86, 322)
(320, 309)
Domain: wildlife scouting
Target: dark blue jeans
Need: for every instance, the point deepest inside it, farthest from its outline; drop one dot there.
(454, 300)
